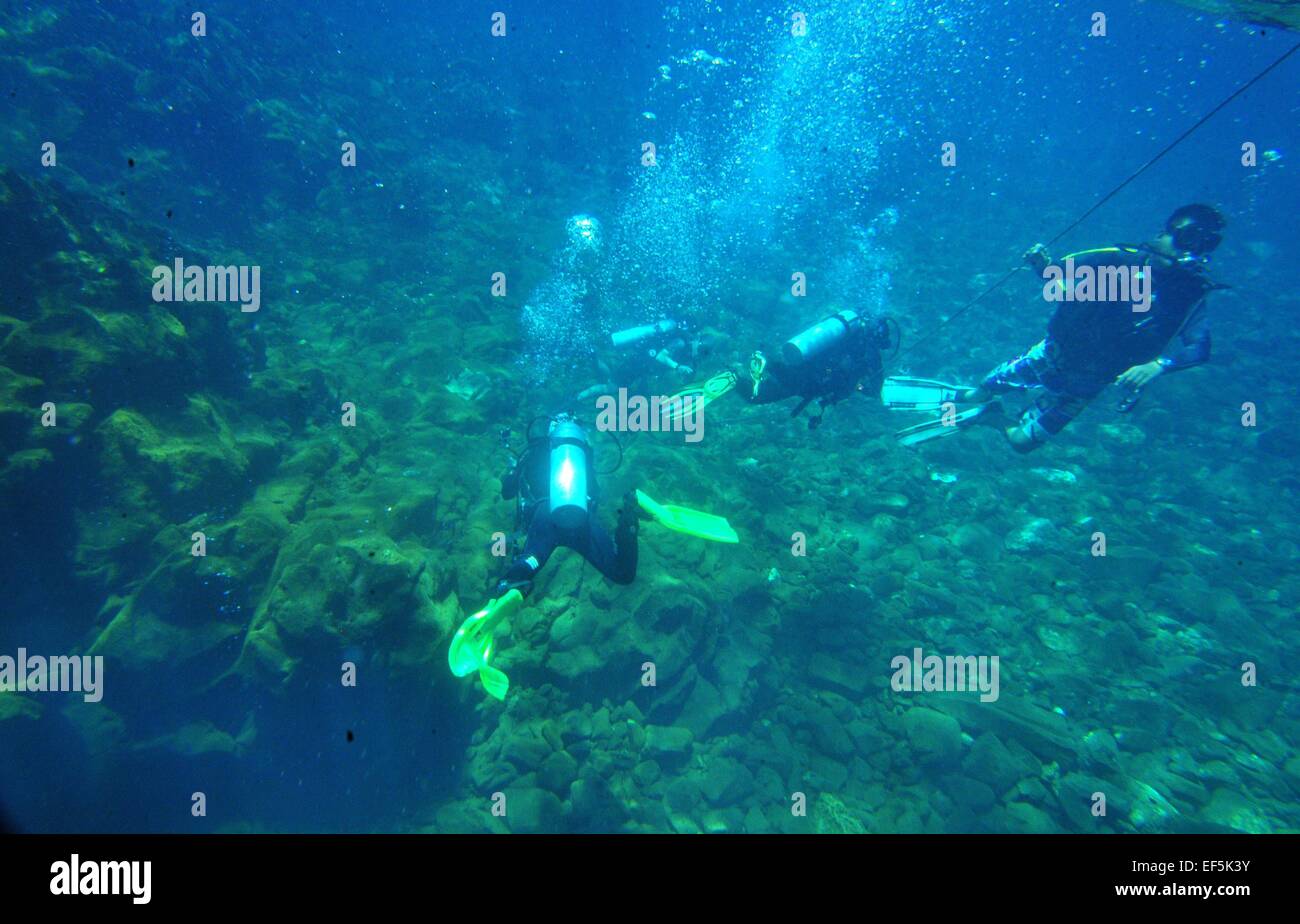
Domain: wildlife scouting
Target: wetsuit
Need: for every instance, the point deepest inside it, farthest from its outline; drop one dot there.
(529, 480)
(1089, 344)
(849, 365)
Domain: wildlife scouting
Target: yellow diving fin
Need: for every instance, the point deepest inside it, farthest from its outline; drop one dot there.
(701, 393)
(473, 645)
(684, 520)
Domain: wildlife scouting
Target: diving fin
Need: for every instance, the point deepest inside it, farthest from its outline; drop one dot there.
(901, 393)
(702, 392)
(943, 426)
(691, 522)
(473, 645)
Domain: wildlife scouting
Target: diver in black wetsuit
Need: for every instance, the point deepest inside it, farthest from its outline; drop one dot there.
(554, 485)
(828, 362)
(1092, 343)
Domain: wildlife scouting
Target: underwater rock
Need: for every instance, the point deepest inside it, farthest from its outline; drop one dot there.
(828, 731)
(725, 780)
(825, 774)
(325, 590)
(15, 706)
(935, 736)
(1023, 818)
(682, 795)
(703, 707)
(989, 761)
(466, 816)
(646, 773)
(1074, 794)
(1148, 809)
(756, 822)
(667, 740)
(198, 738)
(837, 674)
(557, 772)
(1032, 536)
(1100, 751)
(972, 794)
(831, 816)
(1041, 732)
(533, 811)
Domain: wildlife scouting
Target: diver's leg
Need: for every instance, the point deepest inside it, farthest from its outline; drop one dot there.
(1017, 374)
(541, 542)
(615, 558)
(1048, 416)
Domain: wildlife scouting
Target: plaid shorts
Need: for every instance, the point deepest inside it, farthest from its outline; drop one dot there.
(1058, 404)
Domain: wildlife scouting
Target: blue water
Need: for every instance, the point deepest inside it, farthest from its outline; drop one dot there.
(774, 154)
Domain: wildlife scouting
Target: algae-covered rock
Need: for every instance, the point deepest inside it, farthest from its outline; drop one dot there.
(831, 816)
(935, 737)
(837, 674)
(15, 705)
(202, 737)
(533, 811)
(667, 740)
(726, 780)
(989, 761)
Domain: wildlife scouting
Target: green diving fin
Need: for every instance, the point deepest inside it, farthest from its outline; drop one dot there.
(944, 426)
(474, 644)
(691, 522)
(901, 393)
(702, 392)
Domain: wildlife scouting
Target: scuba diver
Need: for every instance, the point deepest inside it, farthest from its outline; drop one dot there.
(1149, 321)
(554, 485)
(561, 312)
(641, 351)
(830, 361)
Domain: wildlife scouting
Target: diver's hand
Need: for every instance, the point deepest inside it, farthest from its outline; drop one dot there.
(1139, 376)
(684, 371)
(1036, 258)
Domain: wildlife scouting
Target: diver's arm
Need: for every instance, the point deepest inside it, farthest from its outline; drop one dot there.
(665, 358)
(1191, 347)
(510, 483)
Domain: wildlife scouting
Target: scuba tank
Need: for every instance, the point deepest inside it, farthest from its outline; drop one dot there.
(816, 339)
(632, 334)
(569, 448)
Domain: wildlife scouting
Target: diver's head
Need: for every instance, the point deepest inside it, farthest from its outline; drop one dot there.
(1193, 232)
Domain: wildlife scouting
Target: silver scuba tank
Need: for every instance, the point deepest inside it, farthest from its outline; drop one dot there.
(568, 495)
(816, 339)
(622, 338)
